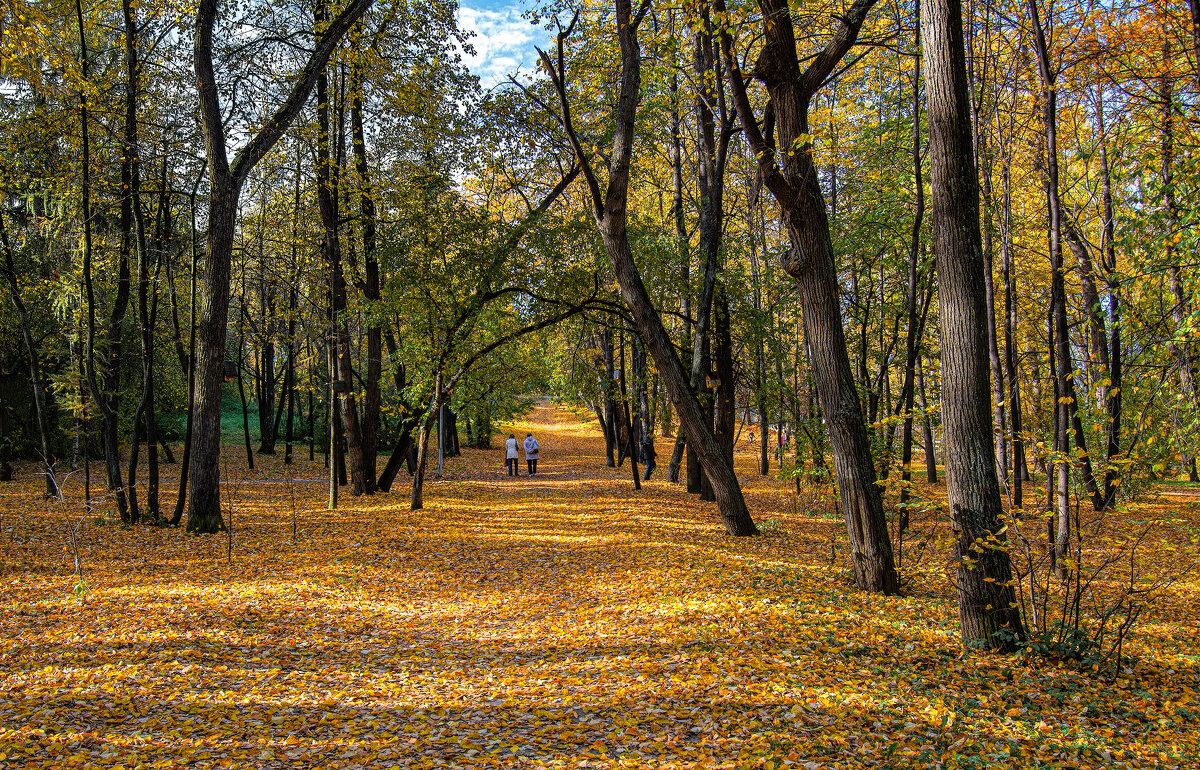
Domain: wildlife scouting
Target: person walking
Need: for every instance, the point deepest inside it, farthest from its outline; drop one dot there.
(531, 453)
(648, 455)
(510, 454)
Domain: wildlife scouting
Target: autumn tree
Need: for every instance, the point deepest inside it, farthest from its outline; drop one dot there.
(225, 184)
(796, 187)
(987, 604)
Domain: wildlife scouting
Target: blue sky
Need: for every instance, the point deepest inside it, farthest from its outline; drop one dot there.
(503, 40)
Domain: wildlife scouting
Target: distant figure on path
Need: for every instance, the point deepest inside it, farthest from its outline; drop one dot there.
(531, 453)
(648, 455)
(510, 454)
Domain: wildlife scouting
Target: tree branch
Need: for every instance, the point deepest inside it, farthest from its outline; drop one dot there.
(269, 134)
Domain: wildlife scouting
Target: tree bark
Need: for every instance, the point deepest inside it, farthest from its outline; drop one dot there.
(610, 209)
(225, 185)
(810, 262)
(987, 605)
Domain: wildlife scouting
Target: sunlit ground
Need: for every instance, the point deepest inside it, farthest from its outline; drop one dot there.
(559, 620)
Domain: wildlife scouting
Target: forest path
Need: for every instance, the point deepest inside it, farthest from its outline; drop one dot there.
(564, 620)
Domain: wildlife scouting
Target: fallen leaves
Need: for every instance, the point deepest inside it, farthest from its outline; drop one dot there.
(561, 621)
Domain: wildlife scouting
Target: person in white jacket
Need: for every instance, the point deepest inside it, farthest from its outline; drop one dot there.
(511, 455)
(531, 453)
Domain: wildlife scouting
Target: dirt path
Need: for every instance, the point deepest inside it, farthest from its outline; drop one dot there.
(563, 620)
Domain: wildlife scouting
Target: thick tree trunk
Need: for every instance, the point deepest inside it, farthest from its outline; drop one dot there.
(810, 262)
(983, 159)
(676, 462)
(225, 183)
(986, 599)
(204, 473)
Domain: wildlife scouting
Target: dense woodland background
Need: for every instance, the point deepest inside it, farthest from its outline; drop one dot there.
(300, 225)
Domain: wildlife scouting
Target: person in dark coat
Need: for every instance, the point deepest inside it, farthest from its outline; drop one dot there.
(648, 455)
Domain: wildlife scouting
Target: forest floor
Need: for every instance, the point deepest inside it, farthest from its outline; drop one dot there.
(563, 620)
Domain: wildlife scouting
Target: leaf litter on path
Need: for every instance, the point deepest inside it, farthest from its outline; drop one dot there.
(563, 620)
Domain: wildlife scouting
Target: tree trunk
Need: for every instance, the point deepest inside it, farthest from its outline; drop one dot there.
(35, 374)
(185, 462)
(241, 365)
(1066, 404)
(111, 458)
(632, 441)
(913, 333)
(927, 430)
(681, 238)
(725, 422)
(1181, 305)
(204, 500)
(327, 199)
(265, 381)
(610, 209)
(810, 262)
(986, 599)
(611, 433)
(1108, 253)
(713, 139)
(225, 184)
(417, 501)
(1194, 9)
(1020, 468)
(374, 373)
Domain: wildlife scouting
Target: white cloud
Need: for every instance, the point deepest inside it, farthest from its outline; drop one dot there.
(503, 42)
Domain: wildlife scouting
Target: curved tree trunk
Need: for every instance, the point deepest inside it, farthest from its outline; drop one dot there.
(810, 262)
(35, 374)
(610, 209)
